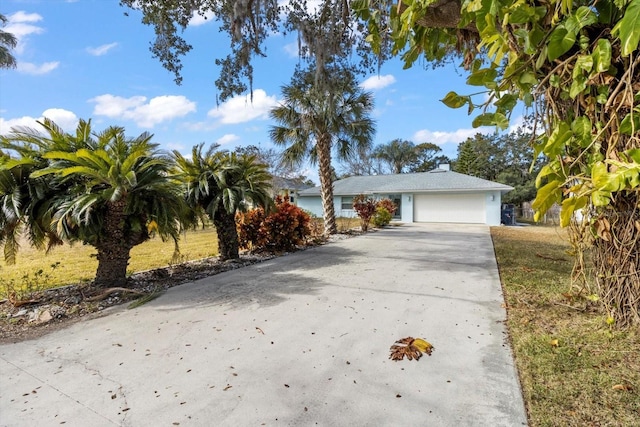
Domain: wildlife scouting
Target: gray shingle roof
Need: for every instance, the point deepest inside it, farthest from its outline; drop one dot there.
(436, 180)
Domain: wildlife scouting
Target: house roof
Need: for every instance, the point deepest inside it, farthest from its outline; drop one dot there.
(289, 184)
(437, 180)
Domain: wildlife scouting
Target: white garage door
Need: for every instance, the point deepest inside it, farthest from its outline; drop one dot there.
(466, 208)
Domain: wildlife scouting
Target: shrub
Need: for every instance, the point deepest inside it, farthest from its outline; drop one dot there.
(382, 217)
(282, 230)
(388, 205)
(365, 207)
(248, 225)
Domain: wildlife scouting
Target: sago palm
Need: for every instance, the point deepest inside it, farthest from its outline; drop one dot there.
(111, 192)
(312, 123)
(218, 184)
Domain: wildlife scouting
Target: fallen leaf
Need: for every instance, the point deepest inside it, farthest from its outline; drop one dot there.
(553, 343)
(422, 345)
(410, 348)
(227, 387)
(622, 387)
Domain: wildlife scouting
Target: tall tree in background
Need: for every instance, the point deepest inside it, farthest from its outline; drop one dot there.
(398, 155)
(428, 157)
(7, 42)
(401, 156)
(502, 158)
(313, 122)
(478, 156)
(101, 189)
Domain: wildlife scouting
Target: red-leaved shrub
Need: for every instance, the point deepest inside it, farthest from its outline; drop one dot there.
(281, 230)
(365, 207)
(388, 205)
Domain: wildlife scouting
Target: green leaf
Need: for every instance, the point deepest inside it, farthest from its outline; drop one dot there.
(602, 55)
(546, 197)
(482, 77)
(600, 198)
(583, 64)
(634, 154)
(521, 14)
(501, 121)
(560, 42)
(528, 77)
(582, 17)
(628, 28)
(581, 128)
(569, 206)
(486, 119)
(506, 102)
(453, 100)
(578, 85)
(528, 99)
(558, 139)
(629, 126)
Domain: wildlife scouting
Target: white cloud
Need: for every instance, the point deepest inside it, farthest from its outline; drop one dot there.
(240, 109)
(144, 114)
(20, 24)
(456, 137)
(101, 50)
(26, 121)
(291, 49)
(67, 120)
(226, 139)
(36, 70)
(378, 82)
(197, 19)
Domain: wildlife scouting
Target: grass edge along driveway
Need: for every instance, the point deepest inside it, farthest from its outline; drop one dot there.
(575, 369)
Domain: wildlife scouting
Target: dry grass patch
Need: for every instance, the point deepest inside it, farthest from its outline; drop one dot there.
(575, 369)
(74, 264)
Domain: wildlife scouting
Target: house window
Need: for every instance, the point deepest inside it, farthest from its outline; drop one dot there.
(347, 203)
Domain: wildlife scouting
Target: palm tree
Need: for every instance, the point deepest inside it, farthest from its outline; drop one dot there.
(106, 190)
(7, 41)
(25, 202)
(398, 154)
(313, 122)
(217, 184)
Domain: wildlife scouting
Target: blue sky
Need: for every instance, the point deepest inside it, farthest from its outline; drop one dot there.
(86, 59)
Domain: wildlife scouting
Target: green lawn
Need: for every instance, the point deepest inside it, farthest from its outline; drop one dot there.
(77, 263)
(575, 369)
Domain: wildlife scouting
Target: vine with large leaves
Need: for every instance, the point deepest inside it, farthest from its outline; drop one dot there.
(576, 64)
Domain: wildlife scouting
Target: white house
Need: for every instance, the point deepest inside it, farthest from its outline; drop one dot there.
(440, 195)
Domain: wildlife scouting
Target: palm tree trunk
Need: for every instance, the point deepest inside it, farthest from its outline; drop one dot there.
(326, 185)
(113, 250)
(225, 223)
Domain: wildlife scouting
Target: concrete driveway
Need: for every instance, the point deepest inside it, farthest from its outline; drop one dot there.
(298, 340)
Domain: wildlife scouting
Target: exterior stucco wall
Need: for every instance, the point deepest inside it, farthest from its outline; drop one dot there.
(492, 205)
(311, 204)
